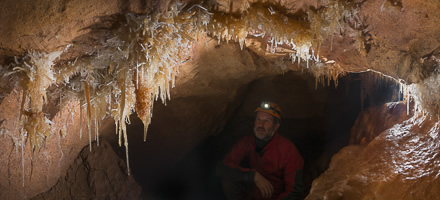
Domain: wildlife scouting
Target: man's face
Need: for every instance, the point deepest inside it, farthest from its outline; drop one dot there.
(264, 126)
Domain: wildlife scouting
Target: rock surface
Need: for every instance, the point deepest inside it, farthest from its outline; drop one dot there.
(402, 162)
(375, 120)
(399, 38)
(99, 174)
(26, 177)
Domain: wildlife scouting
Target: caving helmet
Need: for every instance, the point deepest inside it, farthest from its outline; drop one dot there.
(270, 108)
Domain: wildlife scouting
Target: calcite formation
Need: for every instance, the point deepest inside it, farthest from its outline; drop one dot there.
(110, 59)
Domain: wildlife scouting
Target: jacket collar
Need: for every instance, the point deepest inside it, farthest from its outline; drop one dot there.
(272, 141)
(268, 145)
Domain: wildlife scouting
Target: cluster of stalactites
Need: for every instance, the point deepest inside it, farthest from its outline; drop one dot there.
(300, 35)
(139, 63)
(36, 74)
(325, 72)
(267, 23)
(421, 95)
(135, 67)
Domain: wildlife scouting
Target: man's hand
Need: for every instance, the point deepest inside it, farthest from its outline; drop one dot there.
(264, 185)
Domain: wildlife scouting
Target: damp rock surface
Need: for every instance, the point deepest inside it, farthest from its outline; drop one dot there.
(399, 38)
(374, 120)
(401, 162)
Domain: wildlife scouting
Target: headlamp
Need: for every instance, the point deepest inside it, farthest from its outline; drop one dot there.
(265, 105)
(271, 108)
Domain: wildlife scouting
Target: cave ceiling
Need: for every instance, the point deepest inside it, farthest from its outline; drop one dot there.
(116, 57)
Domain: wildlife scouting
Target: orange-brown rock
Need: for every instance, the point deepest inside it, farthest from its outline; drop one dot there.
(99, 174)
(397, 157)
(25, 176)
(375, 120)
(400, 163)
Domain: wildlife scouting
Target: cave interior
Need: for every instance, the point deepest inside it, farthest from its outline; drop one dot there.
(317, 118)
(357, 82)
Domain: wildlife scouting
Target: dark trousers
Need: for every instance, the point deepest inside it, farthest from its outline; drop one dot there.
(238, 190)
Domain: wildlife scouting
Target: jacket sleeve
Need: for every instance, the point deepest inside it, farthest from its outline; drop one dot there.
(230, 167)
(293, 175)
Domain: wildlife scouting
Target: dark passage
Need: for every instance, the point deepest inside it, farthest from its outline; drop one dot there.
(318, 121)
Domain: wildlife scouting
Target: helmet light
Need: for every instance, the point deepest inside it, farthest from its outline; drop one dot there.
(271, 108)
(266, 106)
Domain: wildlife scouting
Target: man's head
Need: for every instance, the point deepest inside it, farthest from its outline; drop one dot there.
(267, 120)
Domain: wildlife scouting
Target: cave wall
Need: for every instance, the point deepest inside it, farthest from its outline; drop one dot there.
(43, 169)
(401, 162)
(99, 174)
(398, 38)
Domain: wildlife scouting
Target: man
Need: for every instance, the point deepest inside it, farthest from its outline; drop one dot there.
(264, 165)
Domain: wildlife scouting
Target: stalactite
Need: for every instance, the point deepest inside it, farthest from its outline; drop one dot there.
(144, 103)
(407, 100)
(23, 101)
(140, 61)
(327, 71)
(80, 118)
(89, 112)
(22, 155)
(37, 75)
(96, 128)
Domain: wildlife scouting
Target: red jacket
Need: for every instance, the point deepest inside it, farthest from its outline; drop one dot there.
(279, 163)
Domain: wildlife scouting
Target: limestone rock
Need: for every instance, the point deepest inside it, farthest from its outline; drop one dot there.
(399, 38)
(25, 175)
(400, 163)
(375, 120)
(99, 174)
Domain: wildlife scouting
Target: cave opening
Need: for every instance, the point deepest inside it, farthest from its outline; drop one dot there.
(316, 118)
